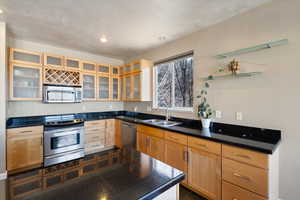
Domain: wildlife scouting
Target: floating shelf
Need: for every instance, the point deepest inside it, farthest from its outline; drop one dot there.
(252, 49)
(223, 76)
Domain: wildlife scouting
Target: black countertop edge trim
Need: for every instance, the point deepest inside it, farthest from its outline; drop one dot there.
(163, 188)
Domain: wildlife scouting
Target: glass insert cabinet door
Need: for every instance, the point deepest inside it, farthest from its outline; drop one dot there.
(25, 57)
(72, 63)
(103, 87)
(136, 78)
(53, 60)
(25, 82)
(89, 86)
(127, 87)
(115, 88)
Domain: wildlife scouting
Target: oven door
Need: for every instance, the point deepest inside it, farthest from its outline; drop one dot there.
(63, 140)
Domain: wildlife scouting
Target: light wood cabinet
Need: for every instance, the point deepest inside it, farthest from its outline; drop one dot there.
(110, 133)
(53, 60)
(118, 136)
(89, 66)
(137, 81)
(143, 141)
(103, 87)
(25, 57)
(89, 89)
(25, 82)
(115, 88)
(95, 133)
(157, 148)
(176, 155)
(72, 63)
(24, 148)
(103, 69)
(204, 173)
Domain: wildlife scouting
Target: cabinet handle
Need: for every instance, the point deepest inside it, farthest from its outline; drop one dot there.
(26, 132)
(235, 198)
(202, 145)
(242, 177)
(185, 155)
(243, 156)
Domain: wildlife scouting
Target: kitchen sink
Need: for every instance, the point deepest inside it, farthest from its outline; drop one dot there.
(162, 122)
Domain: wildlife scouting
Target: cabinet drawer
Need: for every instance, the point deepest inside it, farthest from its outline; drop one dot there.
(204, 145)
(245, 156)
(232, 192)
(151, 131)
(95, 123)
(93, 145)
(24, 131)
(175, 137)
(248, 177)
(95, 130)
(94, 137)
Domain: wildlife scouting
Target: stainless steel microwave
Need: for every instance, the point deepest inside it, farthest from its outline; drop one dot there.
(62, 94)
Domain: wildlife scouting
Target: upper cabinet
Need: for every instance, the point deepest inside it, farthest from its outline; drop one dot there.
(26, 57)
(89, 66)
(52, 60)
(25, 82)
(103, 87)
(89, 86)
(72, 63)
(103, 69)
(137, 81)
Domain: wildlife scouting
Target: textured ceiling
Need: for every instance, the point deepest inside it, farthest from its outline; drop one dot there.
(131, 26)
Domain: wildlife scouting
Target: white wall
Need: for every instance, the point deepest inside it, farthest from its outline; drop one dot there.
(270, 100)
(19, 108)
(2, 97)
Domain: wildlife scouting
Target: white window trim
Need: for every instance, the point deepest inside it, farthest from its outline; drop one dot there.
(173, 108)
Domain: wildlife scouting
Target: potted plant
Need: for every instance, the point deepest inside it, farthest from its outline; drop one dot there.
(205, 112)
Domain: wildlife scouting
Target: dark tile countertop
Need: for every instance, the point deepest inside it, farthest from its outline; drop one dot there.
(253, 138)
(136, 176)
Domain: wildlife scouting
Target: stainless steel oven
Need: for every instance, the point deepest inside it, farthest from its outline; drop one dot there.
(62, 94)
(63, 141)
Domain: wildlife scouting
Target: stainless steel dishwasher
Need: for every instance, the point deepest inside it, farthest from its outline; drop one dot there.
(128, 134)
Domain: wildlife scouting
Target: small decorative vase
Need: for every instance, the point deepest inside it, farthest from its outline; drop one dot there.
(205, 123)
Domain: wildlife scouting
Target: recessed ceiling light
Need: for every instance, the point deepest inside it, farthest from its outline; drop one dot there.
(103, 39)
(1, 11)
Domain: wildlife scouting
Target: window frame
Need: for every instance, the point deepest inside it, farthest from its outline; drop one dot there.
(173, 107)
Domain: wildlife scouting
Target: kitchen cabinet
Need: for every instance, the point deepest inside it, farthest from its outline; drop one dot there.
(103, 69)
(116, 88)
(204, 173)
(53, 60)
(89, 86)
(150, 141)
(104, 87)
(95, 133)
(25, 57)
(72, 63)
(118, 136)
(137, 81)
(89, 66)
(25, 82)
(24, 148)
(110, 133)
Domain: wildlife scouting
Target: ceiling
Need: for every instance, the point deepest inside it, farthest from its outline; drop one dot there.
(131, 26)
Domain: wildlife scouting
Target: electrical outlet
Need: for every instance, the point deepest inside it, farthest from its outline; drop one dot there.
(218, 114)
(149, 108)
(239, 116)
(135, 108)
(110, 107)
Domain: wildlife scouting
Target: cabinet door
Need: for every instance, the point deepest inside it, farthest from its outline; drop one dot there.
(115, 70)
(103, 87)
(115, 88)
(157, 148)
(104, 69)
(26, 57)
(204, 173)
(118, 139)
(143, 142)
(136, 86)
(127, 87)
(72, 63)
(88, 66)
(25, 82)
(176, 155)
(110, 133)
(24, 150)
(53, 60)
(89, 86)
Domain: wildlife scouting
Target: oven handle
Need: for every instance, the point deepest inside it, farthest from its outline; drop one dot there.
(62, 133)
(67, 123)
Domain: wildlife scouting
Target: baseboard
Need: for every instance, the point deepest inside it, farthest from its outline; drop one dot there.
(3, 176)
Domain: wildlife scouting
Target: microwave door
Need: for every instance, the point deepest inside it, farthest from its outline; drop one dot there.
(54, 96)
(68, 95)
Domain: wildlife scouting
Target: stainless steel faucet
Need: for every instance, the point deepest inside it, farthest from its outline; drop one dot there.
(167, 114)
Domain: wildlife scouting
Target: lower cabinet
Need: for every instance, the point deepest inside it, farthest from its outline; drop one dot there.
(24, 148)
(176, 155)
(204, 173)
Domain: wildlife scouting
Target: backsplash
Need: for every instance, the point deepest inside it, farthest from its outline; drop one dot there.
(23, 108)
